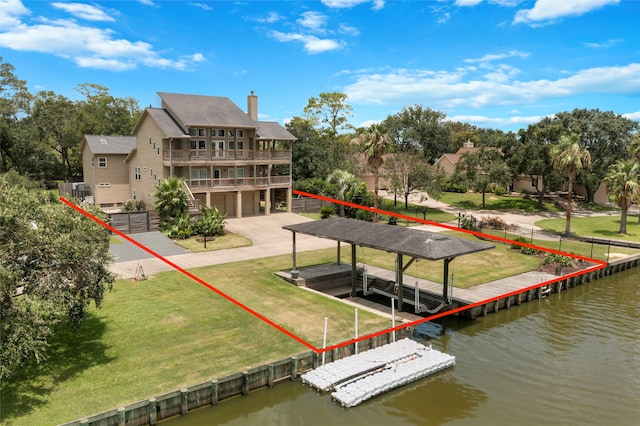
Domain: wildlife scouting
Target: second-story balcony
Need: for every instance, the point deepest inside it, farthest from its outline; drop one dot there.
(201, 185)
(227, 155)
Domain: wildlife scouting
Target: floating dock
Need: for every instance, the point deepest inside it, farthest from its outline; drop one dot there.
(359, 377)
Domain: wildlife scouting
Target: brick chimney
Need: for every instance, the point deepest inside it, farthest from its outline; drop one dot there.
(252, 106)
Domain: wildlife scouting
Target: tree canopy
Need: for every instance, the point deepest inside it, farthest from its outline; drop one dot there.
(53, 264)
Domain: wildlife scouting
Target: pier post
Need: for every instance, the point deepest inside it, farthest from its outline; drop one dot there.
(184, 401)
(121, 416)
(245, 383)
(294, 367)
(270, 375)
(153, 413)
(215, 390)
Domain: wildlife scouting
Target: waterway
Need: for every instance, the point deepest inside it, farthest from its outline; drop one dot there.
(570, 359)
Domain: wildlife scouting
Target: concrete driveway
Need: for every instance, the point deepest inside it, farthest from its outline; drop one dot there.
(265, 232)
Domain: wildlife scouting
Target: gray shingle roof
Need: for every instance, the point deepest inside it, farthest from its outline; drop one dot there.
(198, 110)
(167, 124)
(396, 239)
(273, 131)
(110, 144)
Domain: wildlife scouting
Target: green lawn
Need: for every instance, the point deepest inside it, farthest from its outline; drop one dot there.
(415, 211)
(473, 201)
(600, 226)
(221, 242)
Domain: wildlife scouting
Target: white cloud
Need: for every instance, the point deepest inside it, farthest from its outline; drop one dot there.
(632, 115)
(346, 29)
(550, 10)
(461, 87)
(270, 18)
(496, 121)
(147, 2)
(311, 43)
(603, 45)
(345, 4)
(463, 3)
(314, 21)
(497, 56)
(203, 6)
(83, 11)
(88, 47)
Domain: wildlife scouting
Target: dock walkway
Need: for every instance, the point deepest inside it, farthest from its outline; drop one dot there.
(464, 296)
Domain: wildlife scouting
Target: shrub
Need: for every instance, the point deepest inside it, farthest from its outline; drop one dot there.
(493, 222)
(392, 220)
(500, 190)
(557, 258)
(327, 212)
(529, 251)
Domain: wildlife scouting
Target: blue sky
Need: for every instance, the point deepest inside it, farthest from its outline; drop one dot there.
(493, 63)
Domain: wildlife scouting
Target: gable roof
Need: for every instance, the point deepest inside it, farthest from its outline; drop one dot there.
(199, 110)
(170, 128)
(99, 144)
(273, 131)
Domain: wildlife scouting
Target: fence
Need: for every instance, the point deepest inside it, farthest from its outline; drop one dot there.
(133, 222)
(601, 249)
(180, 402)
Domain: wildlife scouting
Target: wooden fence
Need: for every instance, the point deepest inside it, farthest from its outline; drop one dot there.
(134, 222)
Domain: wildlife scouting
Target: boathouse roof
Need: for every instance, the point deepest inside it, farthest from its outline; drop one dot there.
(395, 239)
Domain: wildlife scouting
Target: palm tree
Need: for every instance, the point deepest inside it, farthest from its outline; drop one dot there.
(172, 204)
(568, 158)
(634, 150)
(344, 180)
(376, 144)
(622, 181)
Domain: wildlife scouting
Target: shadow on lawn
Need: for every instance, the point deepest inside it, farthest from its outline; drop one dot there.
(70, 353)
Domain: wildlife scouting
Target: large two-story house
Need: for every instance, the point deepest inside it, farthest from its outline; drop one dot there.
(227, 158)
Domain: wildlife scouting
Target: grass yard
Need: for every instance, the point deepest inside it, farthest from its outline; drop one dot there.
(473, 201)
(416, 211)
(221, 242)
(159, 335)
(600, 226)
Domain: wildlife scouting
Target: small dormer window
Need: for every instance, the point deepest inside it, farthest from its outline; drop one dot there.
(103, 141)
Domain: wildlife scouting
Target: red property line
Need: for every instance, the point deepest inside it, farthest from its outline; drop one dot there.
(368, 336)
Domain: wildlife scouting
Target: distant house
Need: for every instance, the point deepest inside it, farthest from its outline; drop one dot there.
(522, 183)
(227, 158)
(106, 173)
(448, 161)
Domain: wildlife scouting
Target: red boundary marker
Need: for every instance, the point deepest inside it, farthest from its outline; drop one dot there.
(601, 264)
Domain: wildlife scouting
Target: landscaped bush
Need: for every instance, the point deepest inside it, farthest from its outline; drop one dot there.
(327, 212)
(493, 222)
(460, 188)
(500, 190)
(557, 258)
(529, 251)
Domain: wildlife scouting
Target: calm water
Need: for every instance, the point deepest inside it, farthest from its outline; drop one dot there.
(569, 359)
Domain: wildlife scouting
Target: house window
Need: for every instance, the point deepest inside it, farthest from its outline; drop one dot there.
(202, 132)
(102, 162)
(213, 133)
(534, 182)
(240, 133)
(218, 149)
(93, 162)
(149, 140)
(232, 133)
(137, 173)
(239, 144)
(158, 151)
(150, 172)
(193, 132)
(133, 194)
(232, 144)
(221, 132)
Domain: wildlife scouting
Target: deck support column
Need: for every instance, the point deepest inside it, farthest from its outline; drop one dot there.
(294, 270)
(399, 281)
(445, 288)
(354, 274)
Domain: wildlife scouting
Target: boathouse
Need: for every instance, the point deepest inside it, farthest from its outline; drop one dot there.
(404, 242)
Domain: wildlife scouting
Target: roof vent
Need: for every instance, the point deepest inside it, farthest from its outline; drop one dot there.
(103, 141)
